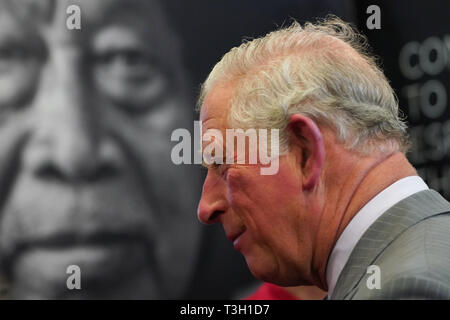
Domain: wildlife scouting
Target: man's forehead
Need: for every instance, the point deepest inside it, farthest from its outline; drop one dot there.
(216, 106)
(144, 20)
(31, 9)
(93, 12)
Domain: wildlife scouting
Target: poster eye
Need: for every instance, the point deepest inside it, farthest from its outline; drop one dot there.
(12, 55)
(126, 64)
(132, 78)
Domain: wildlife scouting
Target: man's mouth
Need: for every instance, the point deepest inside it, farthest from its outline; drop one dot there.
(79, 239)
(107, 230)
(234, 237)
(103, 259)
(98, 254)
(84, 226)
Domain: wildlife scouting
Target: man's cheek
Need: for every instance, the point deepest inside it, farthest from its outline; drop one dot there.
(239, 186)
(12, 138)
(245, 178)
(154, 168)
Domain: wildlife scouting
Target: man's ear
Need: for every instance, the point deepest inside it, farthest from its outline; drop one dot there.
(305, 134)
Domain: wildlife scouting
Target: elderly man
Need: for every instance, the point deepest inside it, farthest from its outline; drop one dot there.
(87, 187)
(345, 211)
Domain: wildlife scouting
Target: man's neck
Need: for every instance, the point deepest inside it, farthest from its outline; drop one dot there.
(360, 181)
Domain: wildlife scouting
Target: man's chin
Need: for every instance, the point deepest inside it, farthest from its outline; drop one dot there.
(104, 271)
(261, 265)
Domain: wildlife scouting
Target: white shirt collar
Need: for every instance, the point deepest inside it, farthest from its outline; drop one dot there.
(371, 211)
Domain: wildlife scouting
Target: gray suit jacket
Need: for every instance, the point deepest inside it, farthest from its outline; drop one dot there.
(410, 243)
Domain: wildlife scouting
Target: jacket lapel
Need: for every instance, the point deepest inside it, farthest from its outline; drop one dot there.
(383, 231)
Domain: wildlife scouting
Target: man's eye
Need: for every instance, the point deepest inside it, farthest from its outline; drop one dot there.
(127, 57)
(10, 55)
(131, 77)
(129, 63)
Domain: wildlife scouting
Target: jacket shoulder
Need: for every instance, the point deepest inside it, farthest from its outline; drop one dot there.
(416, 265)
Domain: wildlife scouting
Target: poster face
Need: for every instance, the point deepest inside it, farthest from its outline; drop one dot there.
(92, 206)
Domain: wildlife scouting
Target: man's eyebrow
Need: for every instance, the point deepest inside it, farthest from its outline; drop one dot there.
(39, 10)
(15, 34)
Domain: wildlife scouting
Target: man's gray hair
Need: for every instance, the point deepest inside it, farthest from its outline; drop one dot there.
(322, 70)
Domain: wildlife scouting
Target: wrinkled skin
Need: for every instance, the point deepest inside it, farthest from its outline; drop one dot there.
(85, 172)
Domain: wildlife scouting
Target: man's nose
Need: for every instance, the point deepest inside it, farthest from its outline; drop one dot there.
(67, 141)
(213, 202)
